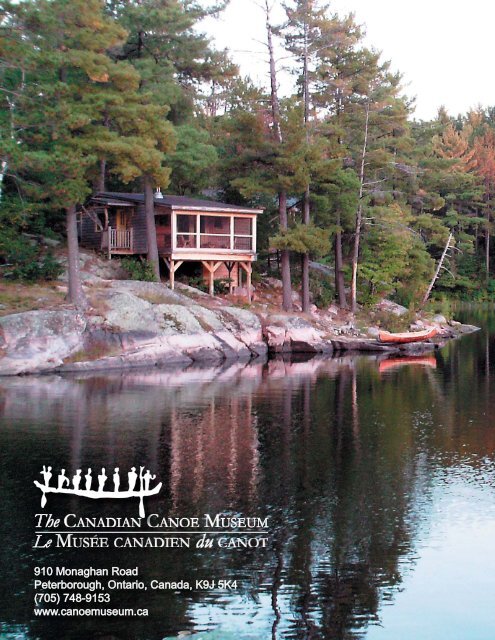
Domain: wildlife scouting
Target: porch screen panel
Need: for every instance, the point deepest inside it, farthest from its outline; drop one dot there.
(243, 234)
(186, 231)
(215, 232)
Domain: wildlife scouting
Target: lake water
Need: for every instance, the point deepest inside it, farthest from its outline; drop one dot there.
(378, 479)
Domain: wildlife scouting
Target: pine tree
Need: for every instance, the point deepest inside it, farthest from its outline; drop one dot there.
(444, 193)
(79, 106)
(12, 82)
(62, 54)
(172, 59)
(454, 145)
(484, 159)
(341, 71)
(303, 39)
(194, 161)
(135, 137)
(278, 138)
(382, 117)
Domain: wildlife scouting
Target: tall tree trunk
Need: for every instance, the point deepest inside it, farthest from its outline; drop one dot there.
(5, 163)
(282, 196)
(3, 171)
(275, 104)
(75, 292)
(284, 256)
(339, 267)
(102, 174)
(149, 208)
(306, 205)
(338, 252)
(305, 302)
(487, 247)
(359, 215)
(355, 257)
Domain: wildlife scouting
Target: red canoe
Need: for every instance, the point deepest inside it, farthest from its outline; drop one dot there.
(408, 336)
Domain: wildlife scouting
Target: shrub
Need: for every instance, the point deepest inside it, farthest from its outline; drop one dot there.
(197, 282)
(440, 304)
(323, 290)
(26, 261)
(391, 322)
(139, 269)
(220, 286)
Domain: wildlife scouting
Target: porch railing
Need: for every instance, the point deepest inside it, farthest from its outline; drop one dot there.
(120, 238)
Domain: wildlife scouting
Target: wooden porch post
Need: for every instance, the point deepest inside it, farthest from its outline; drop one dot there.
(197, 238)
(173, 230)
(171, 267)
(247, 267)
(230, 265)
(211, 267)
(211, 290)
(248, 273)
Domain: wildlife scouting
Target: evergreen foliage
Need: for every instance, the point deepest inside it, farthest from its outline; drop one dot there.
(131, 92)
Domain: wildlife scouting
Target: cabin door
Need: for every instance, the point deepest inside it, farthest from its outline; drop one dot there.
(122, 221)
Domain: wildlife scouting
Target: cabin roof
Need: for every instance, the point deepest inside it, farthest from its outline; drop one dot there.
(174, 202)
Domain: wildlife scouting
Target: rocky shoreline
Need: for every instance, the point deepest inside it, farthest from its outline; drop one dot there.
(136, 324)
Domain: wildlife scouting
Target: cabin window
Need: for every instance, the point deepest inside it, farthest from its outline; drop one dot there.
(162, 221)
(163, 232)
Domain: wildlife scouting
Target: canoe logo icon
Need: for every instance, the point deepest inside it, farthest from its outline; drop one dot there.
(138, 485)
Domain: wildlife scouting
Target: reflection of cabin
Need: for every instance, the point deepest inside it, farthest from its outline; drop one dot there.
(214, 458)
(219, 238)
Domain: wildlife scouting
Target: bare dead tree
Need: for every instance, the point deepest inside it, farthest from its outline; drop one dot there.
(438, 270)
(359, 213)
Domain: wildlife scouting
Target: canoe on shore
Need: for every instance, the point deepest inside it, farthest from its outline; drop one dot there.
(409, 336)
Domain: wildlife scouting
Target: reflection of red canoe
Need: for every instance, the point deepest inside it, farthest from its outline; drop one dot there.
(409, 336)
(394, 363)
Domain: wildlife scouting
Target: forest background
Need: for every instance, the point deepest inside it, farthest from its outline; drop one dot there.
(130, 95)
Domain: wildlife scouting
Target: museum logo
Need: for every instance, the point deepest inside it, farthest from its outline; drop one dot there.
(138, 485)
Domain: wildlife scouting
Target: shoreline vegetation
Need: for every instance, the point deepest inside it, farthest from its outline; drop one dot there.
(133, 323)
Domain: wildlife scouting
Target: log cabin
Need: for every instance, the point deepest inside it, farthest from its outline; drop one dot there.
(216, 239)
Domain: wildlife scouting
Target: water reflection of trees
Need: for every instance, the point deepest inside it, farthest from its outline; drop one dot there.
(339, 455)
(346, 503)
